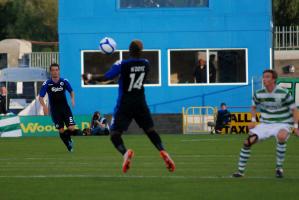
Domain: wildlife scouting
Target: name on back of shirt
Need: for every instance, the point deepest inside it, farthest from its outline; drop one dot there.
(137, 69)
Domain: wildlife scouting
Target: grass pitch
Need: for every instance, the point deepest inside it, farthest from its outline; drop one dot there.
(41, 168)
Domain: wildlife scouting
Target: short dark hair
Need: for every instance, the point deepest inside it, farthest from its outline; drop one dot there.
(271, 71)
(95, 115)
(54, 65)
(136, 48)
(222, 104)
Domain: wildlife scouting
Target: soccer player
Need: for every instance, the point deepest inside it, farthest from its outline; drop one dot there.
(131, 103)
(60, 111)
(278, 115)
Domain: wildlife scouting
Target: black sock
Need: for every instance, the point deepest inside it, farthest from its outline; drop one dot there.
(64, 138)
(68, 134)
(75, 132)
(118, 143)
(155, 139)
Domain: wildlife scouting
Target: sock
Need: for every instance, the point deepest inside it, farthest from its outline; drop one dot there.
(68, 134)
(76, 132)
(64, 138)
(155, 139)
(280, 154)
(244, 156)
(118, 143)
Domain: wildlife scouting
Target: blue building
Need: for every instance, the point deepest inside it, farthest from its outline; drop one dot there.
(231, 39)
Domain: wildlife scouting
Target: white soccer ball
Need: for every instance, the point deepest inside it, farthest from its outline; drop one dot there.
(107, 45)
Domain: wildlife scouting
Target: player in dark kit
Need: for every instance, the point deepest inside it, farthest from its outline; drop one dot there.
(131, 103)
(60, 111)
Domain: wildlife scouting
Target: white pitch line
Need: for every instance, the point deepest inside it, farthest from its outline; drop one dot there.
(144, 156)
(203, 140)
(141, 177)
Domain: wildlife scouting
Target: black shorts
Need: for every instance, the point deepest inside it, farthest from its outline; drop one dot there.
(62, 116)
(129, 109)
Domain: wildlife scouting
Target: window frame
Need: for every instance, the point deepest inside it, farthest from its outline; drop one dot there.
(296, 86)
(208, 50)
(162, 8)
(159, 84)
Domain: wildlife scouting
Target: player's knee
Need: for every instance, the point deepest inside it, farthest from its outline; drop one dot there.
(61, 130)
(282, 136)
(252, 139)
(71, 128)
(247, 144)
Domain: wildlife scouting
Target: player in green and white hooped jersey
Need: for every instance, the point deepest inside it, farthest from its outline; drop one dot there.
(278, 115)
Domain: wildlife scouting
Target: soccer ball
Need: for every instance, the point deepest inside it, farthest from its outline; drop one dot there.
(107, 45)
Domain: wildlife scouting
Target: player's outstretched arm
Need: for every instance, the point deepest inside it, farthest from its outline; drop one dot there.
(93, 77)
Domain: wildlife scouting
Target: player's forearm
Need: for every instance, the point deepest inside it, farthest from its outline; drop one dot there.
(253, 114)
(296, 117)
(41, 101)
(73, 96)
(96, 77)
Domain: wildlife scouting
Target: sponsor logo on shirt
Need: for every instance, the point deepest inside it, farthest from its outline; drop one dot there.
(57, 89)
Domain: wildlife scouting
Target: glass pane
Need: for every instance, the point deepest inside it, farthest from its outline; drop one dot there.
(163, 3)
(99, 63)
(3, 60)
(153, 58)
(188, 66)
(227, 66)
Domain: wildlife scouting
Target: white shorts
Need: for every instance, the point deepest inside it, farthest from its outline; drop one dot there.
(264, 131)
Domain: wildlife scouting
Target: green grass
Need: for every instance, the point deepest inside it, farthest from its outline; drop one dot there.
(41, 168)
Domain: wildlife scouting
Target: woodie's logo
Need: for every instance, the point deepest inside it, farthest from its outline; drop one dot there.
(39, 128)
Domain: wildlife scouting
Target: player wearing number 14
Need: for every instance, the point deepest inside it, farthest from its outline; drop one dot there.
(131, 103)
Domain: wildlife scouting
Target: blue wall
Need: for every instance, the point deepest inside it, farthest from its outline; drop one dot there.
(224, 24)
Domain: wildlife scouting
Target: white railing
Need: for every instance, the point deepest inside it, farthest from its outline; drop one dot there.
(286, 37)
(43, 59)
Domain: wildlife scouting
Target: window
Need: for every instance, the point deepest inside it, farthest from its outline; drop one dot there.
(95, 62)
(3, 60)
(153, 57)
(230, 65)
(183, 66)
(163, 3)
(201, 67)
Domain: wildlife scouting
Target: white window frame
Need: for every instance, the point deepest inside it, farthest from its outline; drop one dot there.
(296, 95)
(120, 58)
(164, 8)
(207, 61)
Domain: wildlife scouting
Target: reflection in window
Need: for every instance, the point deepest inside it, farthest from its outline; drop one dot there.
(224, 66)
(163, 3)
(231, 66)
(153, 58)
(95, 62)
(188, 66)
